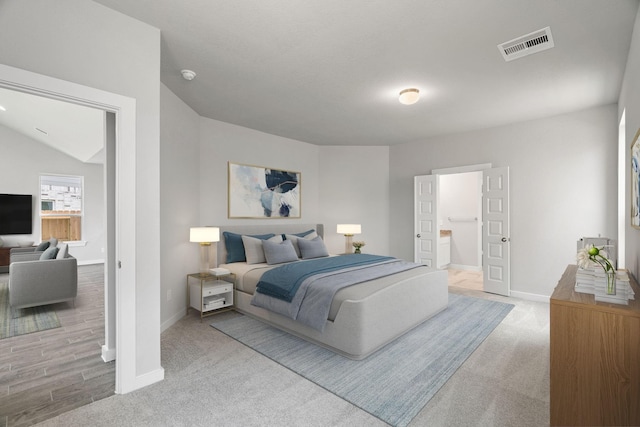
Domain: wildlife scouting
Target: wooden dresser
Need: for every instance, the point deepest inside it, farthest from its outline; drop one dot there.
(595, 358)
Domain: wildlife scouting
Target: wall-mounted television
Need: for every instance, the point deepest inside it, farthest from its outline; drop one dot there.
(16, 214)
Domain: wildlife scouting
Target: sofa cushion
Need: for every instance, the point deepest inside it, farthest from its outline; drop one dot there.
(42, 246)
(63, 251)
(49, 253)
(53, 242)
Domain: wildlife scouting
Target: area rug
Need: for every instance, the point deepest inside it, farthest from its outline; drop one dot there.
(396, 382)
(24, 320)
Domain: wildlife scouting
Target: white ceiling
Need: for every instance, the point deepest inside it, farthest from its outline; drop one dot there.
(329, 72)
(73, 129)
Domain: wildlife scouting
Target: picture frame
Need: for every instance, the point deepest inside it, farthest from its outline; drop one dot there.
(635, 181)
(260, 192)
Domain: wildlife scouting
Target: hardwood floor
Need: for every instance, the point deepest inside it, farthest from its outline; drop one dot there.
(467, 279)
(47, 373)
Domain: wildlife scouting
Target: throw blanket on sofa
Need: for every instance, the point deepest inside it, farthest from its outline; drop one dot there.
(317, 283)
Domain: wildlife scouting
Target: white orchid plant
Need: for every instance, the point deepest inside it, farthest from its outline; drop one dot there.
(591, 253)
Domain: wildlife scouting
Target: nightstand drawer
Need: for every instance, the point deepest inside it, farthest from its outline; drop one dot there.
(215, 288)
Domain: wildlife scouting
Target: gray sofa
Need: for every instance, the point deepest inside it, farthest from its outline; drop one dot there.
(34, 282)
(32, 252)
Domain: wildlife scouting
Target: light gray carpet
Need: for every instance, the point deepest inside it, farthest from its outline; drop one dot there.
(396, 382)
(26, 320)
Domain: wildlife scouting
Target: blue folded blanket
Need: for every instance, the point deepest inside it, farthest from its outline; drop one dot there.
(283, 282)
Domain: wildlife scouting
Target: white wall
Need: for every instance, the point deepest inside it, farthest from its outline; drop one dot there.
(630, 100)
(563, 187)
(460, 199)
(221, 143)
(339, 184)
(179, 201)
(354, 189)
(27, 159)
(88, 44)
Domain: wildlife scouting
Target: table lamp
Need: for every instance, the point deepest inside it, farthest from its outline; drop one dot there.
(205, 236)
(349, 230)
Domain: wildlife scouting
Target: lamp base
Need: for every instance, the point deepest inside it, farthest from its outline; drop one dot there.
(205, 248)
(348, 243)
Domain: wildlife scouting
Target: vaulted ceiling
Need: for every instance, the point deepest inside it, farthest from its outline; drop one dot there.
(329, 72)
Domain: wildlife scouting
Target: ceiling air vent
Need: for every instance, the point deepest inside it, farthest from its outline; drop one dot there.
(526, 45)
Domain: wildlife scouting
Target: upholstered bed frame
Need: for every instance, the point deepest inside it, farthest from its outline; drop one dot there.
(366, 319)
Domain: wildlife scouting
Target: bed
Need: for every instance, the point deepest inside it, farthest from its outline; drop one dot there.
(362, 317)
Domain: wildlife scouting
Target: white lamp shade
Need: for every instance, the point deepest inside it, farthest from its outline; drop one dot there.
(349, 229)
(409, 96)
(204, 234)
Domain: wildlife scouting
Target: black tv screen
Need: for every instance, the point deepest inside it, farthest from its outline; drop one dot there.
(16, 214)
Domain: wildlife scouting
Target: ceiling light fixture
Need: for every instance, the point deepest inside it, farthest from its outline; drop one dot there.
(188, 74)
(2, 108)
(409, 96)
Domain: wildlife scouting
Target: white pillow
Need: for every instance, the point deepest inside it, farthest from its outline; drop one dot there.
(63, 250)
(294, 240)
(253, 248)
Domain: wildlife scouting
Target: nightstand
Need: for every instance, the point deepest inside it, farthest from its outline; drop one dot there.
(209, 293)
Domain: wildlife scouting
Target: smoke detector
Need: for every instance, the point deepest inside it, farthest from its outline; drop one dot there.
(188, 74)
(527, 45)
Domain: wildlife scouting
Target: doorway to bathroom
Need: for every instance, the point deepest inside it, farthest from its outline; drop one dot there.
(462, 222)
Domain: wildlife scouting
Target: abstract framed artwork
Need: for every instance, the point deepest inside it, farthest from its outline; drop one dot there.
(635, 181)
(262, 192)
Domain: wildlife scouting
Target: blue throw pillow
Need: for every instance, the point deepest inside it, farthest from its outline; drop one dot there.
(42, 246)
(312, 248)
(235, 247)
(277, 253)
(49, 253)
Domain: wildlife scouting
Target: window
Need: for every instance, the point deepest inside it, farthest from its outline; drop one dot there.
(61, 207)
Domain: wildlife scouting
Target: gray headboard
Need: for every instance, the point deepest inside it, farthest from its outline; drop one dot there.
(262, 229)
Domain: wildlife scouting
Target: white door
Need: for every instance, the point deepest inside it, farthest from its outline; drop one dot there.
(495, 231)
(426, 228)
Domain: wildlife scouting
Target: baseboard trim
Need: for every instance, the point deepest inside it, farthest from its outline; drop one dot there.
(465, 267)
(108, 354)
(144, 381)
(91, 261)
(530, 297)
(172, 320)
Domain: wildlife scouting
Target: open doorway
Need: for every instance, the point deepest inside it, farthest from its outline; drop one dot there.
(494, 223)
(121, 323)
(460, 219)
(69, 356)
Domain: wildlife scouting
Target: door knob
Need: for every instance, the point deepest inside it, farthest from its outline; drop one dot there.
(504, 239)
(418, 236)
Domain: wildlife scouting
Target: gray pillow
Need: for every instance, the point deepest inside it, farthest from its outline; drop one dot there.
(42, 246)
(253, 248)
(49, 253)
(294, 239)
(63, 250)
(53, 242)
(277, 253)
(314, 248)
